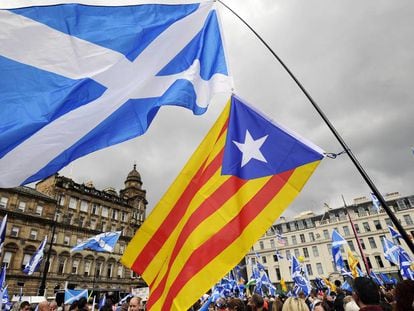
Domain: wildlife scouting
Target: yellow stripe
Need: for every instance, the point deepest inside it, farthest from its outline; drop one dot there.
(218, 267)
(157, 216)
(212, 224)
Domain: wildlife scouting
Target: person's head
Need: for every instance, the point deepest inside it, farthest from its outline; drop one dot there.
(220, 304)
(83, 303)
(25, 306)
(235, 304)
(337, 283)
(134, 304)
(74, 306)
(43, 306)
(404, 295)
(53, 306)
(256, 302)
(365, 292)
(295, 304)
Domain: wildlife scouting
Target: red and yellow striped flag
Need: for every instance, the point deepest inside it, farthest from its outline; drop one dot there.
(241, 178)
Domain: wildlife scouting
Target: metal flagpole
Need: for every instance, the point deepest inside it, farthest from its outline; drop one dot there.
(354, 160)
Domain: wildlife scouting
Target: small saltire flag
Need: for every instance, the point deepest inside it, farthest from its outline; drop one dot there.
(346, 286)
(337, 257)
(337, 239)
(3, 277)
(35, 261)
(299, 278)
(394, 233)
(244, 174)
(391, 251)
(353, 264)
(75, 294)
(375, 202)
(3, 227)
(104, 242)
(376, 278)
(79, 77)
(102, 302)
(405, 269)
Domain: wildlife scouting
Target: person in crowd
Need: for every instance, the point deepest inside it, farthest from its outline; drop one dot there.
(295, 304)
(277, 304)
(134, 304)
(236, 304)
(25, 306)
(53, 306)
(404, 296)
(256, 302)
(350, 304)
(74, 306)
(83, 304)
(338, 304)
(43, 306)
(366, 294)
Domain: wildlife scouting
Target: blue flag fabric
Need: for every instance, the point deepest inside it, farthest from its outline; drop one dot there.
(298, 277)
(75, 294)
(3, 227)
(79, 78)
(104, 242)
(376, 278)
(391, 251)
(35, 261)
(102, 302)
(376, 203)
(3, 278)
(346, 286)
(405, 270)
(337, 257)
(394, 233)
(337, 240)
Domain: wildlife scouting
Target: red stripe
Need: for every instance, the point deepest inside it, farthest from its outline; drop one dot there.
(226, 236)
(207, 208)
(175, 215)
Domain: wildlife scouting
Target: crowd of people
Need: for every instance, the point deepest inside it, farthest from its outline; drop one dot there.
(366, 295)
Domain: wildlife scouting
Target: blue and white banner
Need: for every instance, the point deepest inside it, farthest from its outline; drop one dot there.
(34, 263)
(79, 78)
(3, 227)
(104, 242)
(75, 294)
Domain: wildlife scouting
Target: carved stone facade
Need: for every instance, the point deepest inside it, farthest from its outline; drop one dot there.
(77, 211)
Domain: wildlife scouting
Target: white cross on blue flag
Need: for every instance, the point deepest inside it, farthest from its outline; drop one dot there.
(79, 77)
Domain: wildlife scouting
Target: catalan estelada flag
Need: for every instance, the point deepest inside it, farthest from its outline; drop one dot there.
(244, 174)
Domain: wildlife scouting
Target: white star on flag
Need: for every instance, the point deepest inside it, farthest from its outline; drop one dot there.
(251, 148)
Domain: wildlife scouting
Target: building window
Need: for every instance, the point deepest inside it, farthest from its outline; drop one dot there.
(368, 262)
(261, 245)
(61, 266)
(311, 236)
(26, 259)
(84, 206)
(401, 205)
(309, 268)
(98, 268)
(305, 252)
(379, 262)
(33, 234)
(253, 260)
(115, 214)
(388, 222)
(272, 243)
(315, 251)
(120, 272)
(288, 257)
(7, 259)
(326, 234)
(39, 210)
(93, 224)
(87, 268)
(109, 269)
(294, 242)
(264, 260)
(357, 228)
(408, 220)
(104, 211)
(302, 238)
(275, 258)
(372, 243)
(73, 203)
(329, 249)
(95, 209)
(22, 206)
(377, 224)
(104, 226)
(75, 266)
(319, 268)
(66, 240)
(361, 241)
(366, 227)
(346, 230)
(123, 216)
(15, 231)
(3, 202)
(296, 251)
(351, 246)
(278, 276)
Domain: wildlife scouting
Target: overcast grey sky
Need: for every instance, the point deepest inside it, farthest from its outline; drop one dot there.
(355, 58)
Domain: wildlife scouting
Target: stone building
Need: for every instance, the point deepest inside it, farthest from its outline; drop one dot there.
(308, 237)
(76, 212)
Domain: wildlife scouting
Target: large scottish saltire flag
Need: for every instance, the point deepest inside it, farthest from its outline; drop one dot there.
(241, 178)
(35, 261)
(104, 242)
(76, 78)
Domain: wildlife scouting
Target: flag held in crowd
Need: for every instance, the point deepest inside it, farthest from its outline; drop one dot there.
(394, 233)
(353, 264)
(74, 82)
(35, 261)
(337, 239)
(244, 174)
(391, 251)
(405, 267)
(104, 242)
(299, 278)
(72, 295)
(3, 228)
(3, 277)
